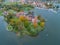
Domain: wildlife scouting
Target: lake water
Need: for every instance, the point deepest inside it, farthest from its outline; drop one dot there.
(50, 35)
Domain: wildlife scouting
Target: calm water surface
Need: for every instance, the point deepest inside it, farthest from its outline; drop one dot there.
(50, 35)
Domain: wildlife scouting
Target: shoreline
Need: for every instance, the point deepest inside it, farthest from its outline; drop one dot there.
(52, 10)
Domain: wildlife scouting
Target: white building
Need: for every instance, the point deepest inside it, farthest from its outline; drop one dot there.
(22, 1)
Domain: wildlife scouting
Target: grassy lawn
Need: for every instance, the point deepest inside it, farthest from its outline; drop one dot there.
(0, 13)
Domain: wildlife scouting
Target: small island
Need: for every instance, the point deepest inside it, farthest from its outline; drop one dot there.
(21, 20)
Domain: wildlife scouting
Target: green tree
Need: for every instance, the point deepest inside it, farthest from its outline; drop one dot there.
(1, 0)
